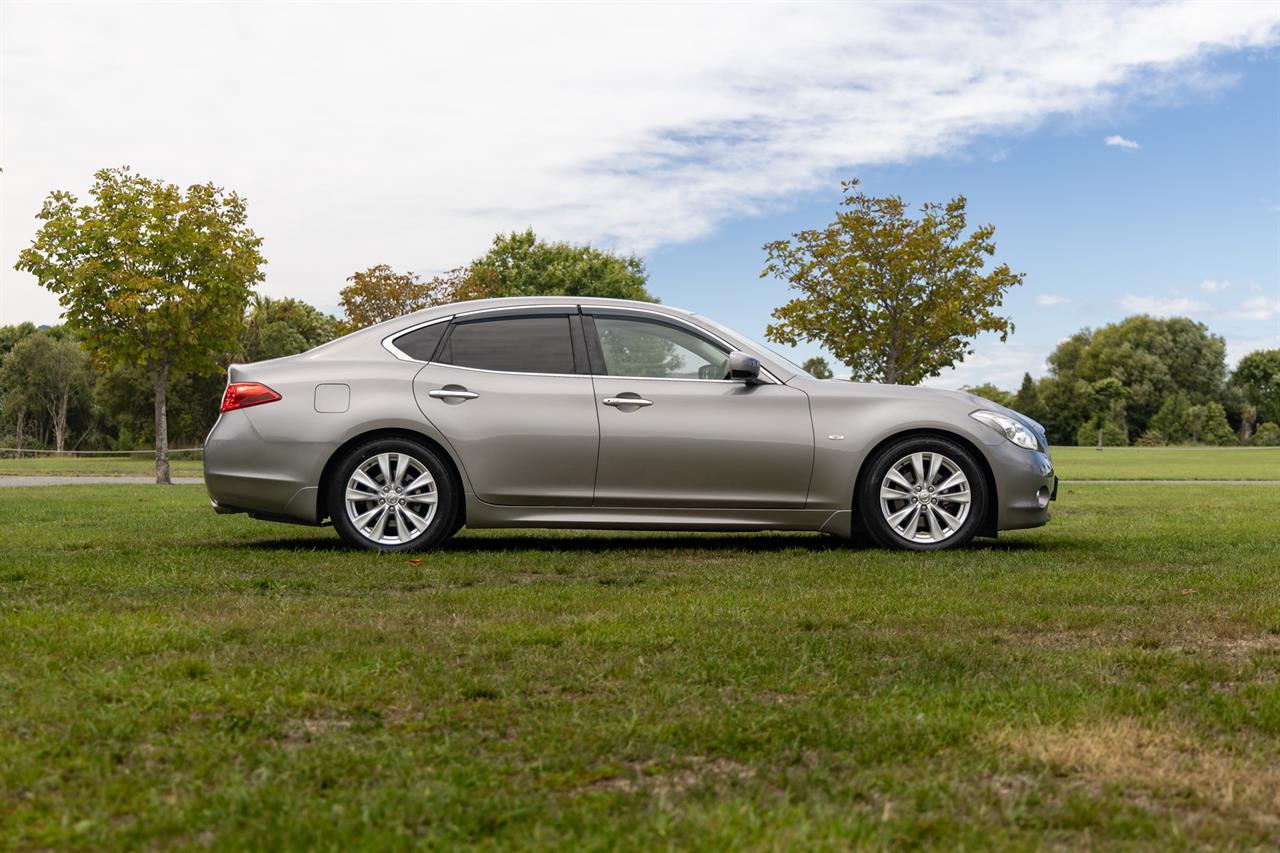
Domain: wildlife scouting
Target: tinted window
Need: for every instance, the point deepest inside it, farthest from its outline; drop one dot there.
(512, 344)
(421, 343)
(644, 348)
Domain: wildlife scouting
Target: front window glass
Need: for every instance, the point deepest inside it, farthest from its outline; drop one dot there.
(645, 348)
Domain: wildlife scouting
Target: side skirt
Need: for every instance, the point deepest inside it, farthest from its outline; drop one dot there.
(481, 514)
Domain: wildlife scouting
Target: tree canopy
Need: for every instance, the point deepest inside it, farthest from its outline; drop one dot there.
(1258, 377)
(895, 298)
(149, 275)
(521, 264)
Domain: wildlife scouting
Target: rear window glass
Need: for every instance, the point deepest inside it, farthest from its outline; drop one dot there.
(421, 343)
(512, 344)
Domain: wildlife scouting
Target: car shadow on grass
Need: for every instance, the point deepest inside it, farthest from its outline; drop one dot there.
(590, 542)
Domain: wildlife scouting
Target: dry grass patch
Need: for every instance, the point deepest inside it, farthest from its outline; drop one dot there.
(1162, 765)
(700, 772)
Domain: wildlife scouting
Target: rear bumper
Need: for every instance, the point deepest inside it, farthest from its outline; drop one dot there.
(244, 473)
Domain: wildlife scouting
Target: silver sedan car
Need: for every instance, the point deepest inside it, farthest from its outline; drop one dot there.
(596, 413)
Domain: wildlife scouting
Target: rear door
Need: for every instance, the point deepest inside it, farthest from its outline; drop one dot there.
(691, 438)
(511, 392)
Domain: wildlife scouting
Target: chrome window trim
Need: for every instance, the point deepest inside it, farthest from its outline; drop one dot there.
(389, 345)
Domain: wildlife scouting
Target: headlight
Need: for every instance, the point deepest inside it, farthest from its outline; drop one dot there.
(1012, 430)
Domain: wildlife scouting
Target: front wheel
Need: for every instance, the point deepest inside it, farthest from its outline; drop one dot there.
(393, 494)
(922, 494)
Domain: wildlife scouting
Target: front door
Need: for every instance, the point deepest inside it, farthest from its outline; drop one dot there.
(512, 395)
(691, 438)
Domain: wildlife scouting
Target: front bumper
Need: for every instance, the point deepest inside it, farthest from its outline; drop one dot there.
(1025, 485)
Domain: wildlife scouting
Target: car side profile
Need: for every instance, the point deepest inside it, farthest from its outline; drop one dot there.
(594, 413)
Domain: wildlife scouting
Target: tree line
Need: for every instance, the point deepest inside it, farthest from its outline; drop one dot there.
(157, 287)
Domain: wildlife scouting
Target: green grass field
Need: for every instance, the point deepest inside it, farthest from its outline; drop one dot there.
(1073, 463)
(169, 677)
(184, 465)
(1167, 463)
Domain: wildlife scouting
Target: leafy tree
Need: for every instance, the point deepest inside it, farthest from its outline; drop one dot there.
(10, 335)
(1209, 424)
(1151, 357)
(1173, 421)
(988, 391)
(817, 367)
(520, 264)
(380, 293)
(1101, 431)
(1258, 376)
(1268, 435)
(1028, 401)
(275, 328)
(1109, 394)
(1068, 403)
(149, 275)
(48, 376)
(897, 299)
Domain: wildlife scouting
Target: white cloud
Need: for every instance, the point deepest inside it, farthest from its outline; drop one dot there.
(1001, 364)
(1211, 286)
(410, 133)
(1261, 308)
(1164, 306)
(1118, 141)
(1049, 300)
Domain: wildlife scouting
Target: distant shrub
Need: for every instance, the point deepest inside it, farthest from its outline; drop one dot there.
(1113, 434)
(1268, 435)
(1150, 438)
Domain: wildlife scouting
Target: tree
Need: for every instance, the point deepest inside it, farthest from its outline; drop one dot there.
(1151, 357)
(895, 298)
(380, 293)
(1109, 394)
(149, 275)
(988, 391)
(1028, 401)
(275, 328)
(1209, 424)
(49, 375)
(1068, 403)
(817, 367)
(1258, 376)
(1173, 421)
(520, 264)
(1268, 435)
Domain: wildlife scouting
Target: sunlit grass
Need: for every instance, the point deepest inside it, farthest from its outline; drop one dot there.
(172, 677)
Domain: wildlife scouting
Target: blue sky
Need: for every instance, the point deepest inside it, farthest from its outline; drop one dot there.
(1101, 232)
(410, 133)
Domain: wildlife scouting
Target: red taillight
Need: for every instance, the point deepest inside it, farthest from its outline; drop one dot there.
(241, 395)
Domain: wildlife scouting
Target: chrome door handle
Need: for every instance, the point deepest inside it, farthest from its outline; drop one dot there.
(638, 402)
(446, 394)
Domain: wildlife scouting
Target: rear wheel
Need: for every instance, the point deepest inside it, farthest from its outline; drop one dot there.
(393, 494)
(923, 493)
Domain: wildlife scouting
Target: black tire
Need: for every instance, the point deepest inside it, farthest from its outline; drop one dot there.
(867, 500)
(441, 524)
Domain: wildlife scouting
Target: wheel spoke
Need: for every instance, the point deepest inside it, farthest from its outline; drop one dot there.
(952, 521)
(380, 525)
(423, 479)
(935, 530)
(917, 467)
(957, 477)
(901, 514)
(955, 497)
(419, 520)
(360, 495)
(403, 529)
(893, 494)
(424, 498)
(897, 479)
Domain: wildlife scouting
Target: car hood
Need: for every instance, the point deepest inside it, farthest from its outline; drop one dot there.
(918, 392)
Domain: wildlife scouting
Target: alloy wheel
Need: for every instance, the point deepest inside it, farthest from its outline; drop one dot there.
(925, 497)
(391, 498)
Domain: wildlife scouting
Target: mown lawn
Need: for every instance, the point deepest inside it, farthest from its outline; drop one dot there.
(171, 677)
(185, 465)
(1167, 463)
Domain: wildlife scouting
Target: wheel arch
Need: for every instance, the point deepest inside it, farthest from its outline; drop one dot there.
(331, 464)
(990, 518)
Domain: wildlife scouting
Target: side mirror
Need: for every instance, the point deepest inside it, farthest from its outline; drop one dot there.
(744, 368)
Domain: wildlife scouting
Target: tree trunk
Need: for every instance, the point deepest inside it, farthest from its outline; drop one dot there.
(160, 377)
(1099, 435)
(60, 425)
(22, 416)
